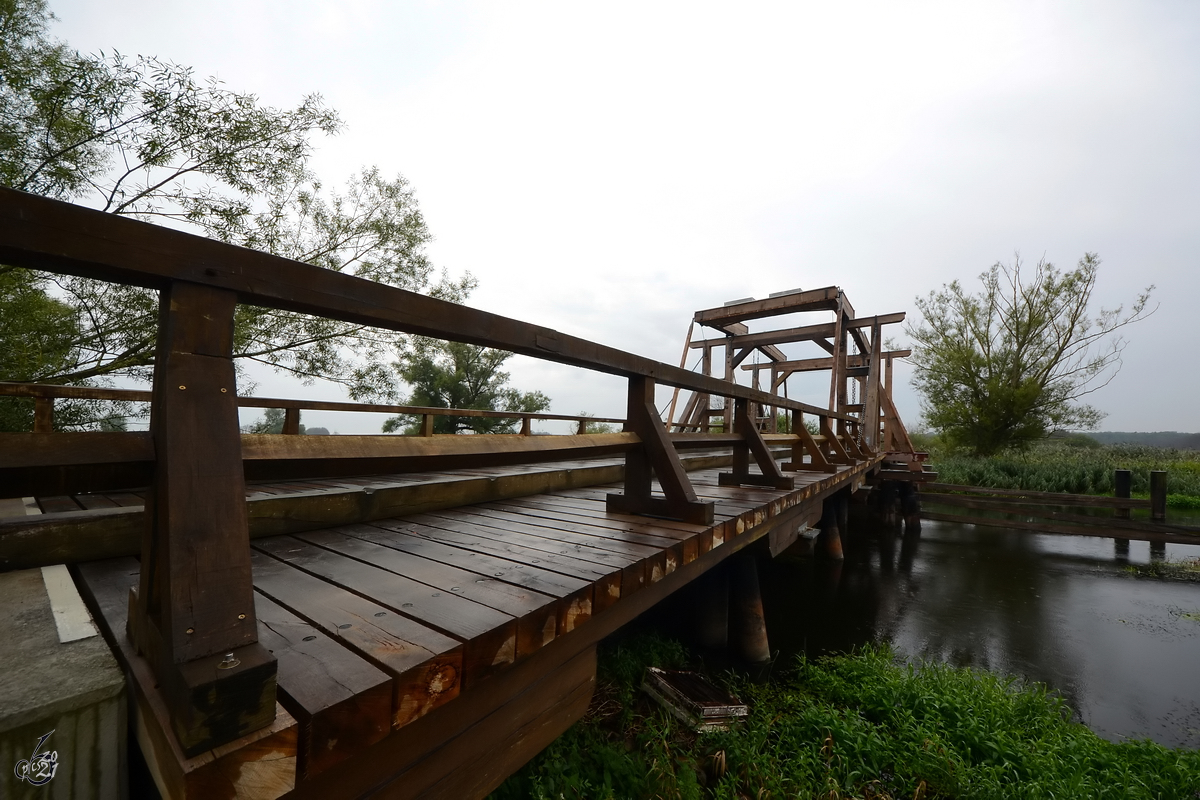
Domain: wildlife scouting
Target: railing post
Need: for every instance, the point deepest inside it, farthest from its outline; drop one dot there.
(291, 421)
(43, 415)
(427, 424)
(582, 426)
(805, 444)
(1158, 495)
(526, 426)
(193, 614)
(752, 444)
(656, 457)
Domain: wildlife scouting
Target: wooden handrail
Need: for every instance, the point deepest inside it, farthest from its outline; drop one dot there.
(54, 391)
(51, 235)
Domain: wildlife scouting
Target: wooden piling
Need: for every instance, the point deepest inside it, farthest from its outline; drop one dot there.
(1158, 495)
(829, 543)
(747, 625)
(1122, 483)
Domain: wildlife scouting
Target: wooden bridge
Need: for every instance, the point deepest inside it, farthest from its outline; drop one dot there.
(404, 616)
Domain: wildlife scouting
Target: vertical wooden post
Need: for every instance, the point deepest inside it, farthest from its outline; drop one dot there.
(582, 426)
(839, 355)
(747, 625)
(427, 424)
(1122, 483)
(705, 402)
(870, 395)
(291, 421)
(727, 417)
(656, 457)
(526, 426)
(43, 415)
(1158, 495)
(193, 613)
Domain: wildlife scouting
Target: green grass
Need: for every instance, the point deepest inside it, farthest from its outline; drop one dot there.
(1058, 466)
(854, 726)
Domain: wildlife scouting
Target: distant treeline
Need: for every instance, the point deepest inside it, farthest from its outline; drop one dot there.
(1174, 439)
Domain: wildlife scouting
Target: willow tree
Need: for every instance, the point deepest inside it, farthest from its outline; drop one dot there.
(144, 137)
(1006, 366)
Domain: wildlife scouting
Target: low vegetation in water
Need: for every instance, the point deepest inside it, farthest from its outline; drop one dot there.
(1076, 464)
(1187, 569)
(862, 725)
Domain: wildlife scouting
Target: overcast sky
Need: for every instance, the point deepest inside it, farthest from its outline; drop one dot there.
(608, 169)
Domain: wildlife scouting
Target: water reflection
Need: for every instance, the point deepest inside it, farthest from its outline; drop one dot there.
(1065, 611)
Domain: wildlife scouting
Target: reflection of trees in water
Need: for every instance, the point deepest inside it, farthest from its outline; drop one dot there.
(977, 598)
(989, 601)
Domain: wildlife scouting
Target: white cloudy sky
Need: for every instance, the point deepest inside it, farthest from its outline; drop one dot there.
(607, 169)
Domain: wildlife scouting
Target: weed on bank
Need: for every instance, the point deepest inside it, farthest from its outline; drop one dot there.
(862, 725)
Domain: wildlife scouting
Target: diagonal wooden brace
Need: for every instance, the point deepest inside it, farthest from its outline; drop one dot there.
(752, 444)
(655, 458)
(832, 446)
(806, 444)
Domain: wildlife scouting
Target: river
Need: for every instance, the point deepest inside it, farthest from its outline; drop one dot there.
(1123, 650)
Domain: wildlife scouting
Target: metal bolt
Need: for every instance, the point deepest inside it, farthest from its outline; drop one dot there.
(223, 391)
(191, 630)
(241, 616)
(182, 386)
(229, 662)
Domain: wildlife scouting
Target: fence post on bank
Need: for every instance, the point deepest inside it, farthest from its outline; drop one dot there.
(1122, 483)
(1158, 495)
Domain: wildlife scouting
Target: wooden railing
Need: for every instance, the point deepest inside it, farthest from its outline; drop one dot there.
(44, 395)
(192, 615)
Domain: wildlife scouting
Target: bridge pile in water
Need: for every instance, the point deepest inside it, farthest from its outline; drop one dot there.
(402, 616)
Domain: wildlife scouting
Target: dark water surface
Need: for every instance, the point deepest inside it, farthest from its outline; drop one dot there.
(1123, 650)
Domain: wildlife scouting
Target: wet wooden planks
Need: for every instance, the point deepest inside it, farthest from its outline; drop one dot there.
(377, 625)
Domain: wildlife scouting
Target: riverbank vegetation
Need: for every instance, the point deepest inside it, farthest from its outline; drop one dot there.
(1075, 464)
(862, 725)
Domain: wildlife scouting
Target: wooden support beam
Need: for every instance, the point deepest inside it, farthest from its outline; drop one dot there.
(870, 416)
(193, 616)
(835, 453)
(812, 300)
(655, 458)
(752, 444)
(836, 387)
(291, 421)
(800, 334)
(817, 364)
(805, 444)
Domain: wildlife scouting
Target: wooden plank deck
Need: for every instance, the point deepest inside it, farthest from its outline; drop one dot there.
(433, 653)
(39, 531)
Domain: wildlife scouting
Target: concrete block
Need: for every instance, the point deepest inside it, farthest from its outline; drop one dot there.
(63, 714)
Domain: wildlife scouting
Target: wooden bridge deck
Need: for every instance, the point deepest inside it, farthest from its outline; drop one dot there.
(397, 637)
